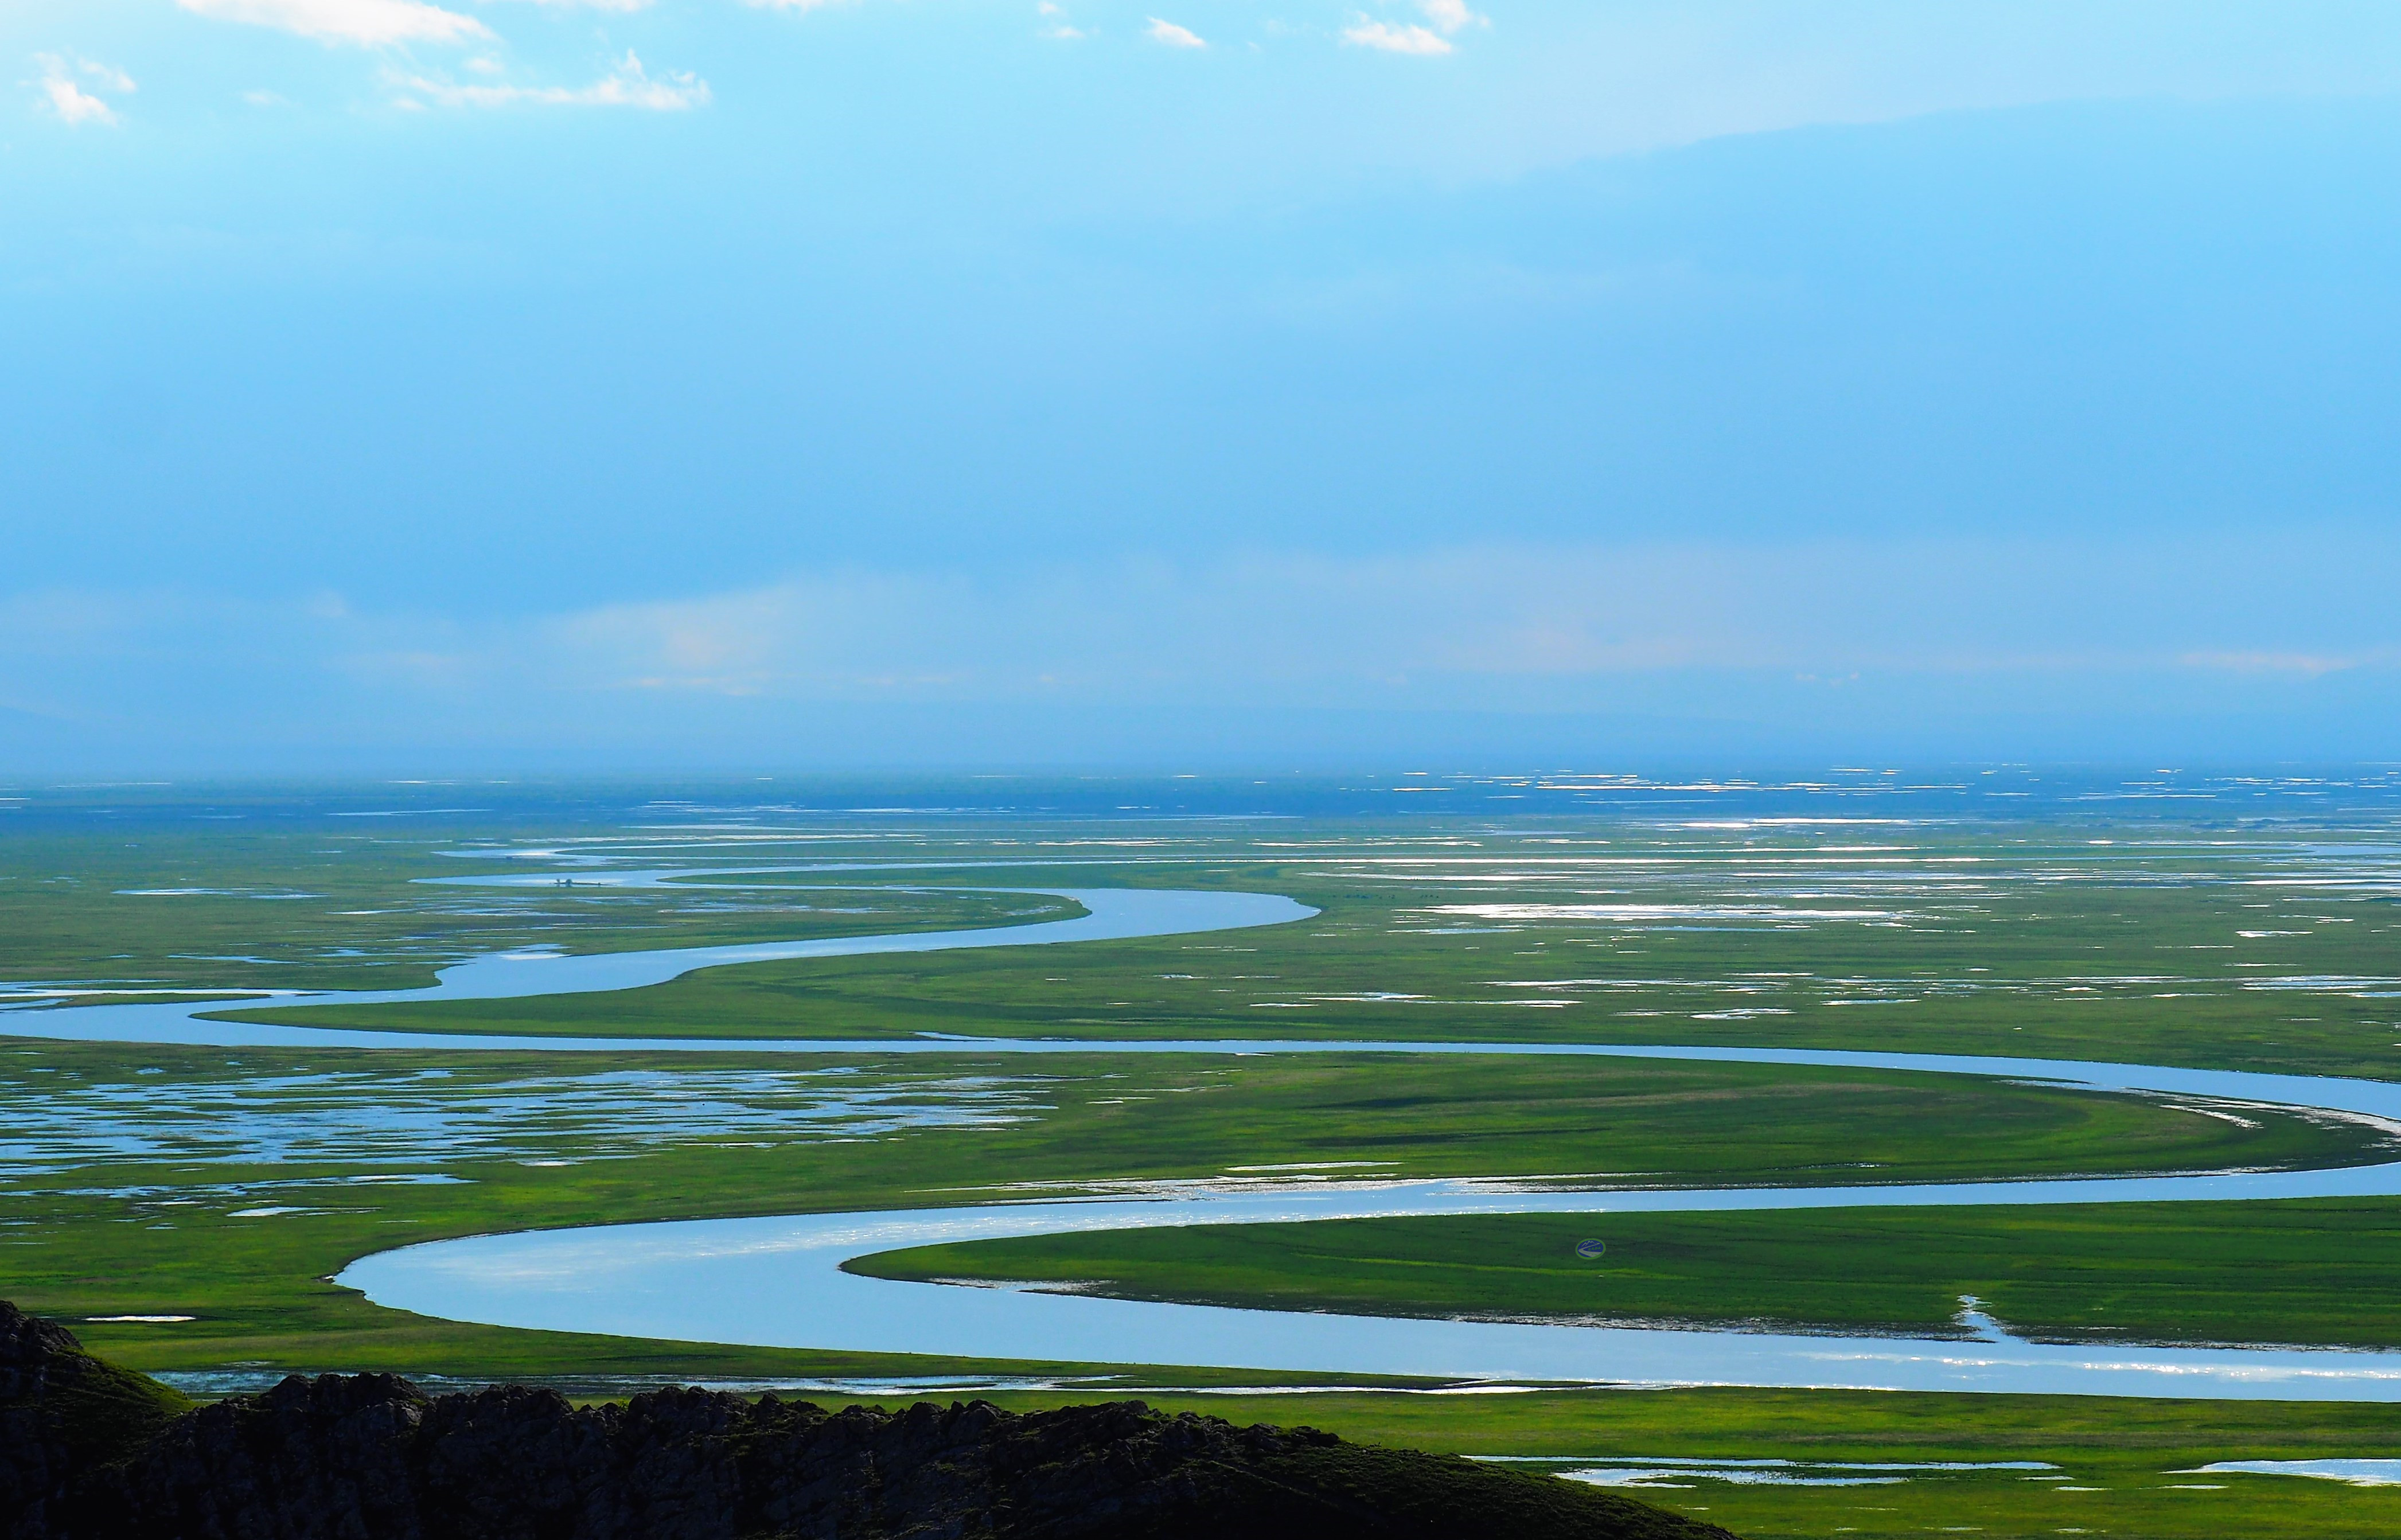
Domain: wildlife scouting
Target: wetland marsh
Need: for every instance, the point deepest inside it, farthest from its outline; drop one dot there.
(225, 1186)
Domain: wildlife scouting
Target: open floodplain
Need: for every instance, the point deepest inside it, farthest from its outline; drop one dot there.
(1228, 1011)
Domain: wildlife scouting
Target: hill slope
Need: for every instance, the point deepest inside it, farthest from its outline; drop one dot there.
(88, 1451)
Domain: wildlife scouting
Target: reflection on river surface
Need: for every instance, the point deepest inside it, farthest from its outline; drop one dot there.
(779, 1282)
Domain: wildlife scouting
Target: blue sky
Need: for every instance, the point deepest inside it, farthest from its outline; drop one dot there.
(702, 384)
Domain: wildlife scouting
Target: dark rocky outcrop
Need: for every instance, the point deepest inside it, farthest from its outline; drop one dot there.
(369, 1457)
(64, 1415)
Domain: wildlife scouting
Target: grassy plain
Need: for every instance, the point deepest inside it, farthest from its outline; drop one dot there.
(2122, 1464)
(2264, 955)
(165, 910)
(2316, 1273)
(228, 1185)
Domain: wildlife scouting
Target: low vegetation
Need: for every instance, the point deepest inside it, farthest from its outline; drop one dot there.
(2317, 1272)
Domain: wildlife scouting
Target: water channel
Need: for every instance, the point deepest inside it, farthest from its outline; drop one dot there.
(779, 1282)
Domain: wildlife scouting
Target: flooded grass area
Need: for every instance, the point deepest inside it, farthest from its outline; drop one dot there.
(140, 1180)
(2234, 948)
(1998, 1466)
(186, 1207)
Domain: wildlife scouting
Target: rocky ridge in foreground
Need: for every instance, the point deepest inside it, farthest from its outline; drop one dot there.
(88, 1451)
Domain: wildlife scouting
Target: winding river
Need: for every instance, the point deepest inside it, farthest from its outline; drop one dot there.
(779, 1282)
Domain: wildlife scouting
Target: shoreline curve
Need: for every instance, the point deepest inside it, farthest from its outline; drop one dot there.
(779, 1282)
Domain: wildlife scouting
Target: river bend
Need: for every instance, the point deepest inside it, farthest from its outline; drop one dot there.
(779, 1282)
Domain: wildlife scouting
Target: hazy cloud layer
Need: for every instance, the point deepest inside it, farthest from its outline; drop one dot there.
(1447, 627)
(368, 22)
(1957, 649)
(627, 83)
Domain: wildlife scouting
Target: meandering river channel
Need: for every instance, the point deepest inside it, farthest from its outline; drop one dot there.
(779, 1282)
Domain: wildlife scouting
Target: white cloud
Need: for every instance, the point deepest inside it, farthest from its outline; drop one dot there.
(1446, 20)
(1383, 35)
(72, 104)
(1173, 35)
(1060, 27)
(628, 84)
(109, 76)
(368, 22)
(1451, 16)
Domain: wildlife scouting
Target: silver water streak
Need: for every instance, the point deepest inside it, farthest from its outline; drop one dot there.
(779, 1282)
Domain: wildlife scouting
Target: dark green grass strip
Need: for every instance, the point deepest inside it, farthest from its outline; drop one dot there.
(2129, 1457)
(2288, 1271)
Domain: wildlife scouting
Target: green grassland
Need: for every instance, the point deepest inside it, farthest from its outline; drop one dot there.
(137, 1180)
(164, 910)
(2122, 1464)
(2230, 956)
(2320, 1272)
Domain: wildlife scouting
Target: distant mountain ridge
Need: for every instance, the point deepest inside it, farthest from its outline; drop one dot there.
(90, 1451)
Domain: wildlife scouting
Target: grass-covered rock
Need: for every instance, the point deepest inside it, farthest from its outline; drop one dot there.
(64, 1415)
(92, 1453)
